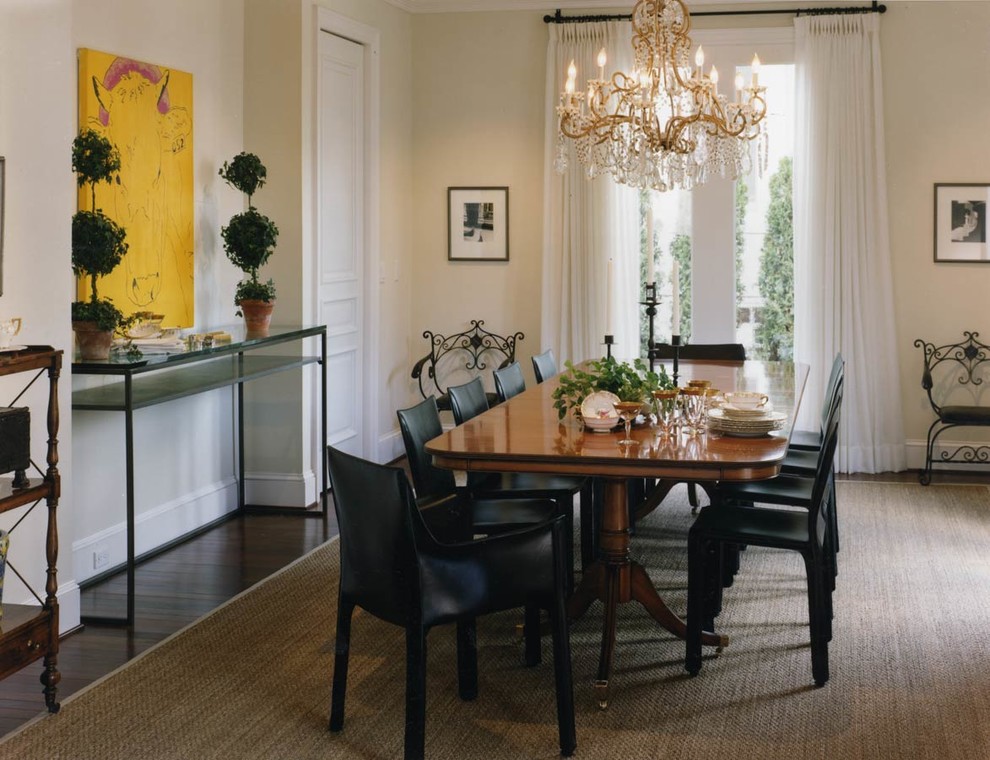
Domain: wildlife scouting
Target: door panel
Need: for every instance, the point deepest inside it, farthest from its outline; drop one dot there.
(341, 235)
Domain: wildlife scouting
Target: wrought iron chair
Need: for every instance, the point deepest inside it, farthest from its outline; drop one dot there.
(803, 531)
(392, 567)
(459, 356)
(467, 401)
(949, 371)
(544, 365)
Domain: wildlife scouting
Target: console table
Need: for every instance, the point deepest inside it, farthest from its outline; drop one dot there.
(156, 378)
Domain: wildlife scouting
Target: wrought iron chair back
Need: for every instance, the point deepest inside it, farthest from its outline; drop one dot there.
(953, 373)
(454, 359)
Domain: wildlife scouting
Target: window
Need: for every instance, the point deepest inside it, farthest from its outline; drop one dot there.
(732, 240)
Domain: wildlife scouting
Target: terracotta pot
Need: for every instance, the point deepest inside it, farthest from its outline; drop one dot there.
(94, 344)
(257, 317)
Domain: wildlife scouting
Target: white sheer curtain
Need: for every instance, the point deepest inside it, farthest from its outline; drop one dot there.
(586, 222)
(842, 271)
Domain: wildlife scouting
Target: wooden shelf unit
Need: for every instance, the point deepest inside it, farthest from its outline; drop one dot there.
(27, 632)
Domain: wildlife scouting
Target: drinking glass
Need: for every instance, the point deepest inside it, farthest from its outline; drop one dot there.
(693, 405)
(666, 401)
(628, 411)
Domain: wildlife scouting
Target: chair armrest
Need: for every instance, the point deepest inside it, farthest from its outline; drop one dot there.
(494, 573)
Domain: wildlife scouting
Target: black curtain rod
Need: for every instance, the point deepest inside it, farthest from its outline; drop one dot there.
(877, 7)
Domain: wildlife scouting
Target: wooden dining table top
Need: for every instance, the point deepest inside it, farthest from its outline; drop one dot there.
(524, 434)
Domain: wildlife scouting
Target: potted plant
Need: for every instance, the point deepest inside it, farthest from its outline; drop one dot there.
(249, 241)
(630, 382)
(98, 245)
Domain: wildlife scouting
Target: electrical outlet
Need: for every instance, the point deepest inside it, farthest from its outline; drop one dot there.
(101, 557)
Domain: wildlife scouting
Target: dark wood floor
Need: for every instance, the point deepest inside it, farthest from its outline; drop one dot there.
(187, 581)
(173, 589)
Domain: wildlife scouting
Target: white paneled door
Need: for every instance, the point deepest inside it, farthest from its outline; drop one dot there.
(341, 240)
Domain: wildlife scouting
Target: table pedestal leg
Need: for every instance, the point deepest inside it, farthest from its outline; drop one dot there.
(615, 579)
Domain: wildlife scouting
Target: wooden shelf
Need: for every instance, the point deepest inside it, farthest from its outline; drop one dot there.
(10, 498)
(30, 633)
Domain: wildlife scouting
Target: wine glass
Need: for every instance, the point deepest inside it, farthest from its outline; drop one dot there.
(693, 400)
(628, 411)
(666, 401)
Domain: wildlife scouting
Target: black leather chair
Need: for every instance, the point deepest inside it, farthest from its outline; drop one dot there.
(718, 352)
(544, 365)
(437, 490)
(804, 531)
(392, 567)
(723, 352)
(509, 381)
(469, 400)
(811, 440)
(795, 487)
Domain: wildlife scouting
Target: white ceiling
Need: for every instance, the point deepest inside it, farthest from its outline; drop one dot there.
(548, 6)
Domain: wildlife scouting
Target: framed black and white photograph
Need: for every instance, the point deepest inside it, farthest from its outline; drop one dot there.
(477, 224)
(961, 222)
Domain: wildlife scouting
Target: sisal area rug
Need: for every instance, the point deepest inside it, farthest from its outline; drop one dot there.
(910, 663)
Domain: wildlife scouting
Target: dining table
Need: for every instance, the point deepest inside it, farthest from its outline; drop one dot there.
(525, 434)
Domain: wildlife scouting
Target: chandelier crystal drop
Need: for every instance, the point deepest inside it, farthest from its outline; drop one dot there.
(664, 124)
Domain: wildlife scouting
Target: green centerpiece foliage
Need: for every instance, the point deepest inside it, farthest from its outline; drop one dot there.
(250, 238)
(98, 242)
(630, 382)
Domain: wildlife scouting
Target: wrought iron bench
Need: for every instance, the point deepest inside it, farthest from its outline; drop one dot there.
(955, 372)
(456, 359)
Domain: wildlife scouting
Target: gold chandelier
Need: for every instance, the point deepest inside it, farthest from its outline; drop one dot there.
(665, 124)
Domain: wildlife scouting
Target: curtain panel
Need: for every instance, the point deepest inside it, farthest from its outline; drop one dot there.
(842, 269)
(586, 221)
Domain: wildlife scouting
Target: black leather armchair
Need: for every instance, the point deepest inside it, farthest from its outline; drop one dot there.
(393, 567)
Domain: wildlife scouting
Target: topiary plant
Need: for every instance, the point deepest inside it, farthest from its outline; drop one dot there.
(250, 238)
(98, 242)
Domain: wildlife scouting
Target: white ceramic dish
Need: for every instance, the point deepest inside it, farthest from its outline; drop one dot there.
(600, 424)
(599, 404)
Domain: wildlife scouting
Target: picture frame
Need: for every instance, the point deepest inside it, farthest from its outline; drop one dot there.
(961, 225)
(477, 223)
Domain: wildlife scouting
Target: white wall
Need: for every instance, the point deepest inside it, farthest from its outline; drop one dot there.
(184, 453)
(478, 122)
(37, 111)
(937, 108)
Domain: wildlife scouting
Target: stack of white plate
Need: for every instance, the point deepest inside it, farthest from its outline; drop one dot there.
(745, 423)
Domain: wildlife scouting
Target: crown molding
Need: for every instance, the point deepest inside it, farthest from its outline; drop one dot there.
(549, 6)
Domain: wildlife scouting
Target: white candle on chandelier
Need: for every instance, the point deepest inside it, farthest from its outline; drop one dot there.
(675, 300)
(714, 77)
(699, 60)
(756, 70)
(651, 275)
(608, 298)
(602, 60)
(739, 86)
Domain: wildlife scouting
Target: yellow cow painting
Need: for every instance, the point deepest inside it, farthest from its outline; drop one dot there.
(146, 112)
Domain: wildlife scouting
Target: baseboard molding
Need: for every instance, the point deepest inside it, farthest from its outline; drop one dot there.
(154, 527)
(280, 489)
(69, 607)
(390, 446)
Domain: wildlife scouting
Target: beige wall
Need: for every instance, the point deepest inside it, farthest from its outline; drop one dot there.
(478, 119)
(936, 60)
(478, 122)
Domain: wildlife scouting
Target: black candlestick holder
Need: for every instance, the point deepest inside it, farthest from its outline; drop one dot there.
(675, 343)
(650, 302)
(609, 342)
